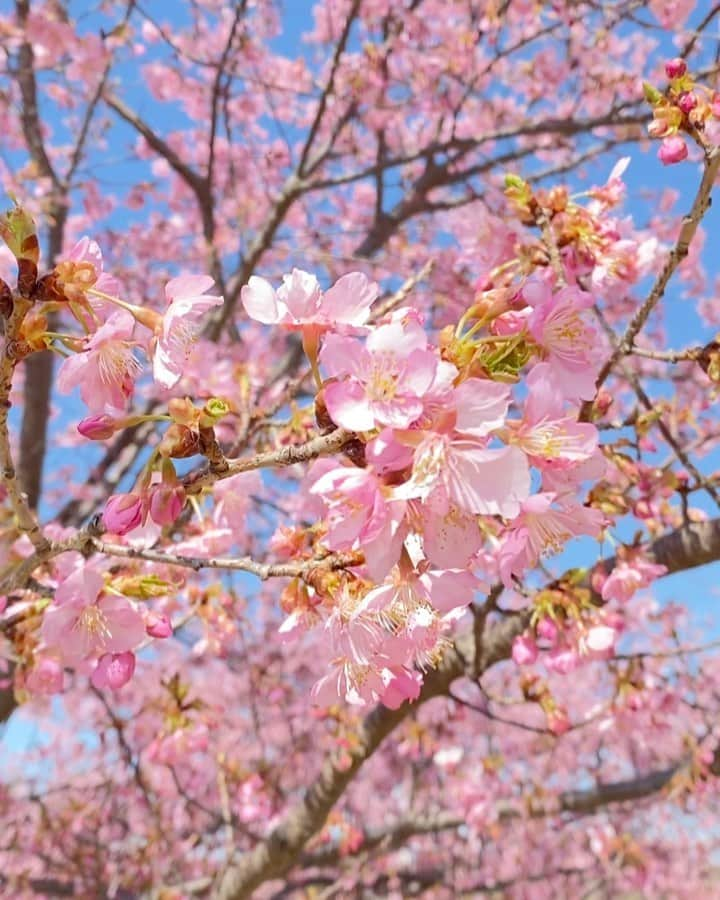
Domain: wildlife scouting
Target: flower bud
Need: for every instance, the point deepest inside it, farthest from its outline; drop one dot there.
(166, 503)
(675, 68)
(158, 625)
(114, 670)
(99, 427)
(123, 513)
(672, 150)
(547, 629)
(687, 102)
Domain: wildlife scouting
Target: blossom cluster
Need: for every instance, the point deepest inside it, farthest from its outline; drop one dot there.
(447, 463)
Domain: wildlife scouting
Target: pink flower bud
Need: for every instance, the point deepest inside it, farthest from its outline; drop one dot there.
(558, 721)
(166, 503)
(97, 428)
(675, 68)
(547, 630)
(114, 670)
(687, 102)
(46, 677)
(672, 150)
(158, 625)
(123, 512)
(524, 650)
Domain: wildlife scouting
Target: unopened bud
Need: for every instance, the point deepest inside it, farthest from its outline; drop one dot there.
(675, 68)
(183, 412)
(123, 513)
(158, 625)
(98, 427)
(687, 102)
(166, 503)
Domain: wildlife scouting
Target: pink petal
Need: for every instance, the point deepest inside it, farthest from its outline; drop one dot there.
(348, 406)
(260, 301)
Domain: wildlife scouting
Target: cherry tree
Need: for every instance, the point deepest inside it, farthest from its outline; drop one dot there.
(357, 404)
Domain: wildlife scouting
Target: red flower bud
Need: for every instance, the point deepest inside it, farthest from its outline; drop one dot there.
(687, 102)
(675, 68)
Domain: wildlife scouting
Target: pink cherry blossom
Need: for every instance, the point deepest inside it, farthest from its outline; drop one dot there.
(158, 625)
(84, 622)
(82, 270)
(572, 346)
(299, 302)
(99, 427)
(524, 650)
(106, 369)
(362, 513)
(399, 685)
(165, 502)
(180, 325)
(539, 529)
(383, 382)
(628, 576)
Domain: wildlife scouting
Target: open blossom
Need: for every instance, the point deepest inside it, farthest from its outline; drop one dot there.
(628, 576)
(83, 622)
(540, 529)
(453, 460)
(382, 382)
(572, 347)
(546, 435)
(474, 478)
(179, 327)
(299, 301)
(361, 512)
(107, 368)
